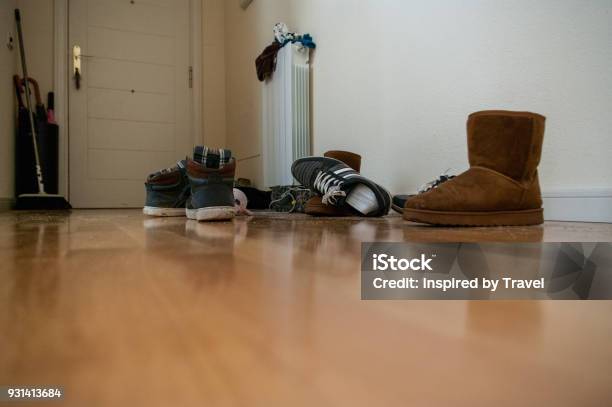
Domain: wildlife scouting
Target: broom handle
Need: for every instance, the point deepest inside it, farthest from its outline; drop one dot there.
(41, 186)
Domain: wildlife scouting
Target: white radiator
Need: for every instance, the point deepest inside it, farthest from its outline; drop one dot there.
(286, 115)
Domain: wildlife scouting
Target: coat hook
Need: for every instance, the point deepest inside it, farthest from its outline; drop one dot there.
(9, 41)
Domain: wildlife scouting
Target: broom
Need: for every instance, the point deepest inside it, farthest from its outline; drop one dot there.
(41, 200)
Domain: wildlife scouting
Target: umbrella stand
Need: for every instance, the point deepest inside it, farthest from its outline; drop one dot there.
(41, 200)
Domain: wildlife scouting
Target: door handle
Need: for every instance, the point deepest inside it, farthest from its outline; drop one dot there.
(76, 66)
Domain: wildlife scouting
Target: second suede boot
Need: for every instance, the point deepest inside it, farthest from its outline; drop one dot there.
(501, 187)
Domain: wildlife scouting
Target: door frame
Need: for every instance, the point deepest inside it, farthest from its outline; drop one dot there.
(62, 80)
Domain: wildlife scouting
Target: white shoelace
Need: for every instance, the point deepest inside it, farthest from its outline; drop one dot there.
(432, 184)
(330, 187)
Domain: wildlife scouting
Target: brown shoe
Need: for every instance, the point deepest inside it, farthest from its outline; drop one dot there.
(501, 187)
(315, 206)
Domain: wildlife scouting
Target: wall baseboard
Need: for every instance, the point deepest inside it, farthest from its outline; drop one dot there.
(578, 205)
(6, 204)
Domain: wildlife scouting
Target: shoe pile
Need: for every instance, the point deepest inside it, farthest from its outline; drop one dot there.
(200, 188)
(501, 186)
(343, 190)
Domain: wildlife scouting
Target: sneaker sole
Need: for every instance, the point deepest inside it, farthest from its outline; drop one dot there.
(211, 213)
(498, 218)
(154, 211)
(397, 209)
(315, 207)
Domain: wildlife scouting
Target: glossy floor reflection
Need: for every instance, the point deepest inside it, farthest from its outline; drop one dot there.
(120, 309)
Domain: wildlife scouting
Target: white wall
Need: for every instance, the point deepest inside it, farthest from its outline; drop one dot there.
(395, 80)
(247, 32)
(417, 69)
(38, 31)
(7, 109)
(213, 73)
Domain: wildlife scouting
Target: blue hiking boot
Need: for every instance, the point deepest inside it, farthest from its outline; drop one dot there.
(211, 176)
(167, 191)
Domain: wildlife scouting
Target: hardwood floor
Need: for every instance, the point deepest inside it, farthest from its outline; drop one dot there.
(123, 310)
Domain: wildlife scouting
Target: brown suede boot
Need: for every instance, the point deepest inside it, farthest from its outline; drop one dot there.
(315, 206)
(501, 187)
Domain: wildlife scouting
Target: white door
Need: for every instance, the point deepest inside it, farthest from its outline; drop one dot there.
(132, 112)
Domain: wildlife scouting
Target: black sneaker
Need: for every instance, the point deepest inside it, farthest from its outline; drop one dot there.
(167, 191)
(341, 185)
(398, 201)
(442, 178)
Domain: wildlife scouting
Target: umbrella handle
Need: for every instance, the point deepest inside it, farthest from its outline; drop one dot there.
(18, 86)
(34, 84)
